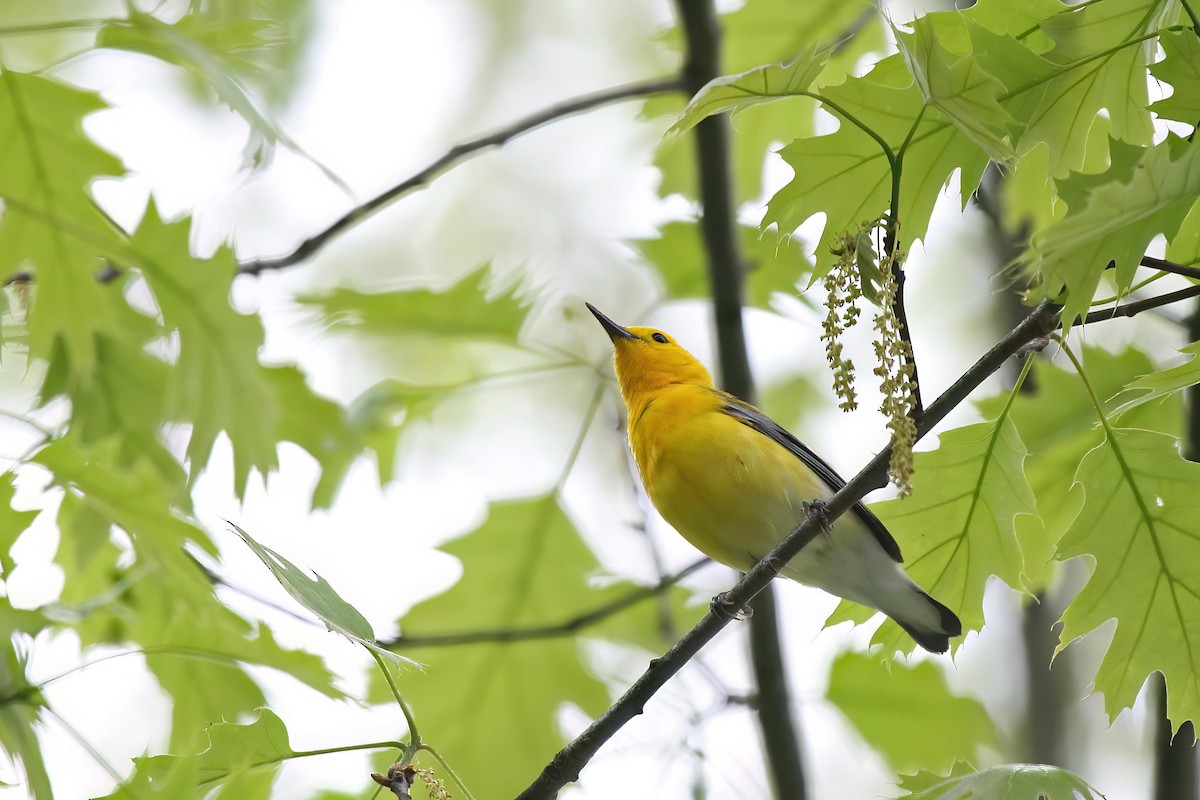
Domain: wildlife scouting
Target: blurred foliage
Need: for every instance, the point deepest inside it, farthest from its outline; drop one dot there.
(142, 364)
(883, 703)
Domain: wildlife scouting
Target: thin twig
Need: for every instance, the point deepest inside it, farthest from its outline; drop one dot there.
(1129, 309)
(314, 243)
(1170, 266)
(565, 628)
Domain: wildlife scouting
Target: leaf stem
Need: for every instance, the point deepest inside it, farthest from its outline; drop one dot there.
(856, 122)
(414, 736)
(449, 770)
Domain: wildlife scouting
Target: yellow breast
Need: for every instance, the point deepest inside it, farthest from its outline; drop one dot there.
(726, 488)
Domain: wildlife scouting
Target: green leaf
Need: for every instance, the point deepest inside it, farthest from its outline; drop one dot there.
(217, 374)
(763, 84)
(525, 567)
(1097, 64)
(770, 32)
(167, 777)
(1028, 201)
(1159, 384)
(163, 601)
(137, 498)
(1117, 225)
(86, 552)
(1140, 525)
(1184, 247)
(126, 397)
(1012, 782)
(847, 176)
(227, 52)
(958, 86)
(775, 263)
(1181, 69)
(232, 748)
(925, 779)
(467, 309)
(313, 593)
(885, 703)
(1056, 420)
(21, 709)
(322, 427)
(50, 224)
(957, 528)
(240, 760)
(12, 522)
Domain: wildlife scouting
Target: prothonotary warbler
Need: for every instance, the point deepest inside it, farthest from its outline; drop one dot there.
(734, 483)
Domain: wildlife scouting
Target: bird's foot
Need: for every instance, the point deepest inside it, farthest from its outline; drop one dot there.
(821, 510)
(726, 609)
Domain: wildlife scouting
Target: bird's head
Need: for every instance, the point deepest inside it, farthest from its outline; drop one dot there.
(646, 359)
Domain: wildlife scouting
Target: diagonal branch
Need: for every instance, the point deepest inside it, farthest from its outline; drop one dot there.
(314, 243)
(565, 766)
(565, 628)
(1031, 332)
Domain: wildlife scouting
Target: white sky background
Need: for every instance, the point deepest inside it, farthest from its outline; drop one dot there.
(389, 86)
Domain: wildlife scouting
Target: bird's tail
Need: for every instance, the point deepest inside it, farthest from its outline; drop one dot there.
(926, 620)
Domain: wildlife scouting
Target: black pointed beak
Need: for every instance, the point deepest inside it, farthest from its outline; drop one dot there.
(613, 330)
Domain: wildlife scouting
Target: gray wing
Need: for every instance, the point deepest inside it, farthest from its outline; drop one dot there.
(753, 418)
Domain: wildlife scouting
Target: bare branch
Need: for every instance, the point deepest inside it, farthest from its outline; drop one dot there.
(1170, 266)
(565, 766)
(313, 244)
(1130, 309)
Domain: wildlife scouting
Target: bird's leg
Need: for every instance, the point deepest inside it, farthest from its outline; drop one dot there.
(725, 608)
(820, 509)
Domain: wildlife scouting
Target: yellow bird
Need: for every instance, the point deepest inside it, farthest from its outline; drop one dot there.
(734, 483)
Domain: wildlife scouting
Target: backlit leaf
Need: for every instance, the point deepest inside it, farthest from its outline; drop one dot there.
(1181, 69)
(760, 85)
(1140, 527)
(1117, 224)
(525, 567)
(884, 702)
(469, 308)
(957, 528)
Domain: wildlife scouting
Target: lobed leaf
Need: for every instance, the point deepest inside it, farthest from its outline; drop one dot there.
(1181, 69)
(1140, 526)
(959, 87)
(217, 374)
(956, 530)
(1117, 225)
(50, 224)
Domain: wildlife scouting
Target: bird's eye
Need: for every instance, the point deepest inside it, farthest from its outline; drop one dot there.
(658, 337)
